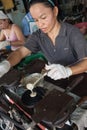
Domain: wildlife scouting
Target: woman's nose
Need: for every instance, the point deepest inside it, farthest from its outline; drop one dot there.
(40, 24)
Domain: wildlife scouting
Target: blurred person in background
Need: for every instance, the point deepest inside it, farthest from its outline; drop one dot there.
(10, 35)
(28, 25)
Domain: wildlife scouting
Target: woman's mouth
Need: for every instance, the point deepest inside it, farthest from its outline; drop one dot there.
(44, 29)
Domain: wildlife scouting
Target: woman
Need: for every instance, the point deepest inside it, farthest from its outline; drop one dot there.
(63, 45)
(10, 33)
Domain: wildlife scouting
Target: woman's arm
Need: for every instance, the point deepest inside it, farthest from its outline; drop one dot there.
(13, 59)
(2, 36)
(79, 67)
(57, 71)
(16, 56)
(19, 35)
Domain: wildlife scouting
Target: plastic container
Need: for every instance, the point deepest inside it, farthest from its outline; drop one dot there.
(30, 58)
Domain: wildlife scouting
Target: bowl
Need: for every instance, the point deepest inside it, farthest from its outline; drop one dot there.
(32, 78)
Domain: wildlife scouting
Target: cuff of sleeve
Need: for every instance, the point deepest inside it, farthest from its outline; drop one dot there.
(68, 71)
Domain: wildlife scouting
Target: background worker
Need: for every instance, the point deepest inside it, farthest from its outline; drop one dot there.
(28, 25)
(10, 33)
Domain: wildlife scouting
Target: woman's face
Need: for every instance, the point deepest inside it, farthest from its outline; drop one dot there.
(3, 23)
(44, 17)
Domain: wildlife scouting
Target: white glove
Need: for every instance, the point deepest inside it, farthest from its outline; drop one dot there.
(3, 44)
(57, 71)
(4, 67)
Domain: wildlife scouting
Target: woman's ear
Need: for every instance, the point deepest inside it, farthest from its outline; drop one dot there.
(56, 11)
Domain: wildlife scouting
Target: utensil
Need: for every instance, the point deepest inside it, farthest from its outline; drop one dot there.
(31, 86)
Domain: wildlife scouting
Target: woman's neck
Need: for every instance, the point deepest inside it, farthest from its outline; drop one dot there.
(54, 32)
(9, 26)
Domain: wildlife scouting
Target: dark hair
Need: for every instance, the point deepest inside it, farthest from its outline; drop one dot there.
(10, 21)
(47, 3)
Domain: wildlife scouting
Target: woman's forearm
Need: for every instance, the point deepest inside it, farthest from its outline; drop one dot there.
(79, 67)
(16, 56)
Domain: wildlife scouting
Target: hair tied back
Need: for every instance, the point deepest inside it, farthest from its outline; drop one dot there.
(50, 1)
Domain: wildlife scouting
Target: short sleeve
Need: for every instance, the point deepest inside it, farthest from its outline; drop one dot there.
(32, 43)
(78, 43)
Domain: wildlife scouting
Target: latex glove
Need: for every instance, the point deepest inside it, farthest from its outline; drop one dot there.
(3, 44)
(4, 67)
(57, 71)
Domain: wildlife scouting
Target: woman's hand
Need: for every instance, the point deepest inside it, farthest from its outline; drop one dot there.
(57, 71)
(4, 67)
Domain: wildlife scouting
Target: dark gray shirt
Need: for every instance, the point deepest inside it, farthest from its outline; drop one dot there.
(70, 45)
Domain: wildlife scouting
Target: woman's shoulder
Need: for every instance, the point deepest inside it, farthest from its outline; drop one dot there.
(15, 26)
(69, 27)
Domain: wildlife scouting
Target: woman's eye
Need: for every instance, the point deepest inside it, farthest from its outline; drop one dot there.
(43, 17)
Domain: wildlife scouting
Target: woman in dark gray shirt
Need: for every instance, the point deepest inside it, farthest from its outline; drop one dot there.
(62, 44)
